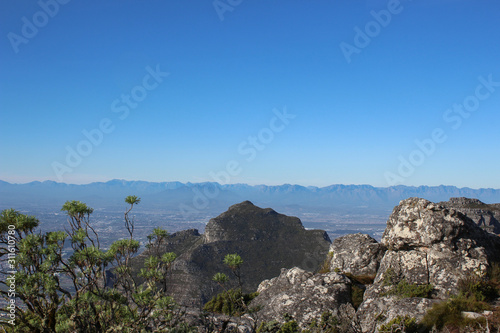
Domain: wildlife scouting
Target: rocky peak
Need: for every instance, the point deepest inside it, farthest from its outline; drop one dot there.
(464, 202)
(266, 241)
(258, 224)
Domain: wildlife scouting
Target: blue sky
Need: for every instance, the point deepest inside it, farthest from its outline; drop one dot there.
(355, 85)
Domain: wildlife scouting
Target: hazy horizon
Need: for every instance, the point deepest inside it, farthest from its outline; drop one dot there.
(223, 184)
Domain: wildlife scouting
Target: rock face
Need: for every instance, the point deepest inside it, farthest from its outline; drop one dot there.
(427, 244)
(305, 297)
(484, 215)
(266, 241)
(358, 254)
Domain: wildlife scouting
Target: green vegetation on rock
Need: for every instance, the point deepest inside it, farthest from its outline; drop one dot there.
(475, 291)
(449, 313)
(228, 302)
(327, 324)
(403, 289)
(402, 324)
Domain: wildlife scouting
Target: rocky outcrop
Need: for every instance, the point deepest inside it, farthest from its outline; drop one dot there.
(486, 216)
(266, 241)
(426, 248)
(358, 254)
(306, 296)
(427, 244)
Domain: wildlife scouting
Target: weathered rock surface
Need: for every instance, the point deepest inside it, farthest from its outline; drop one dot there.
(266, 241)
(305, 296)
(377, 311)
(358, 254)
(427, 244)
(487, 216)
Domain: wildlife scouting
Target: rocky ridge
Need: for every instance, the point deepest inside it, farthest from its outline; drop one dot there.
(425, 245)
(487, 216)
(428, 247)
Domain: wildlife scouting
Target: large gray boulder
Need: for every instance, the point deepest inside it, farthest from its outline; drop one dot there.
(426, 244)
(358, 254)
(306, 296)
(429, 243)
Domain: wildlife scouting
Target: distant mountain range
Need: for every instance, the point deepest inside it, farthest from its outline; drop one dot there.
(188, 198)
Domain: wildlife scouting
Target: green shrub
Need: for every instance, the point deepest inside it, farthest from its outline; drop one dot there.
(493, 276)
(477, 288)
(290, 327)
(449, 313)
(481, 288)
(390, 277)
(402, 324)
(269, 327)
(474, 293)
(381, 316)
(328, 324)
(494, 272)
(405, 290)
(229, 302)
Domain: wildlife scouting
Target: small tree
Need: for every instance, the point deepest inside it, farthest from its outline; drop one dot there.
(129, 224)
(32, 260)
(232, 301)
(234, 262)
(91, 303)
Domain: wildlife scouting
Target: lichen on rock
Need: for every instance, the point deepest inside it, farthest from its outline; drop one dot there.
(357, 254)
(305, 297)
(428, 244)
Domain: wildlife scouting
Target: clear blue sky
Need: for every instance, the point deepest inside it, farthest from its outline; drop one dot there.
(358, 112)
